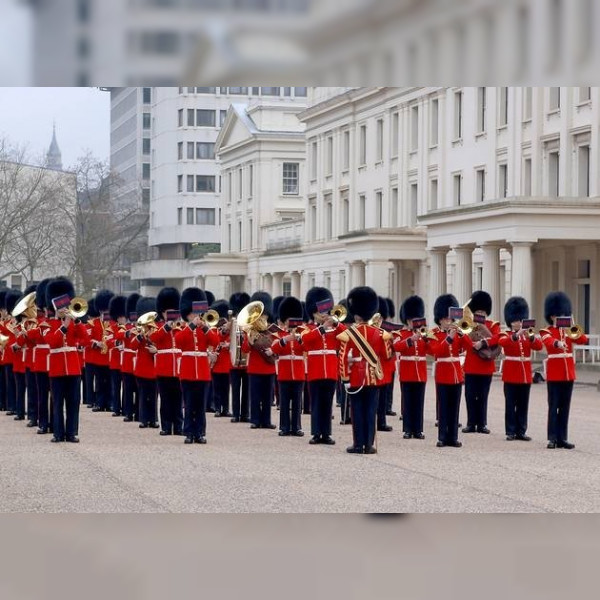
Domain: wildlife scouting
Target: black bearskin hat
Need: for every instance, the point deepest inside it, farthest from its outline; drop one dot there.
(40, 293)
(413, 307)
(168, 299)
(238, 300)
(305, 316)
(117, 307)
(515, 309)
(3, 293)
(103, 300)
(58, 287)
(276, 303)
(210, 297)
(349, 317)
(222, 307)
(290, 307)
(32, 287)
(92, 310)
(131, 303)
(391, 308)
(557, 304)
(383, 308)
(363, 302)
(188, 296)
(314, 295)
(12, 297)
(145, 304)
(481, 300)
(266, 299)
(442, 306)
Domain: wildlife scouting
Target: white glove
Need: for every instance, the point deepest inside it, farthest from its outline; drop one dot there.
(347, 386)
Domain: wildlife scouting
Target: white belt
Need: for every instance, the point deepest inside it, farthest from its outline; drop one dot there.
(63, 349)
(291, 357)
(563, 355)
(518, 358)
(414, 358)
(321, 352)
(129, 350)
(193, 353)
(169, 351)
(41, 347)
(448, 359)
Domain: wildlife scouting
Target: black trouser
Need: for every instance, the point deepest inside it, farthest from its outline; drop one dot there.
(129, 393)
(210, 397)
(390, 395)
(194, 398)
(171, 408)
(21, 388)
(2, 388)
(477, 389)
(449, 406)
(344, 403)
(239, 393)
(102, 386)
(364, 416)
(290, 398)
(261, 394)
(32, 396)
(306, 404)
(413, 399)
(147, 399)
(11, 389)
(220, 384)
(115, 388)
(43, 386)
(383, 393)
(321, 400)
(88, 385)
(66, 392)
(516, 396)
(559, 404)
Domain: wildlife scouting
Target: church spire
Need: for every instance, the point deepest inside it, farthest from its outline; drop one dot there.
(54, 158)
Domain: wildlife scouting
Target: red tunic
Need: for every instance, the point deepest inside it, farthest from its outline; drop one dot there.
(223, 362)
(560, 364)
(94, 355)
(127, 353)
(448, 369)
(114, 350)
(516, 365)
(143, 365)
(322, 352)
(40, 348)
(64, 358)
(168, 354)
(257, 364)
(193, 344)
(8, 354)
(290, 362)
(474, 364)
(412, 363)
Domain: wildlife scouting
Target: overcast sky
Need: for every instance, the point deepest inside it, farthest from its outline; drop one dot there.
(82, 118)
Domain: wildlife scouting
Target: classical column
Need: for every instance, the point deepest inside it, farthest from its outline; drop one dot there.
(267, 285)
(377, 274)
(437, 283)
(522, 271)
(357, 274)
(491, 277)
(463, 279)
(296, 282)
(277, 284)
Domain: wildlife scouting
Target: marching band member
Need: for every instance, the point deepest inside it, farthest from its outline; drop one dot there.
(130, 400)
(517, 344)
(560, 366)
(98, 352)
(306, 393)
(222, 365)
(27, 348)
(389, 410)
(261, 368)
(479, 370)
(193, 340)
(117, 309)
(18, 362)
(362, 353)
(238, 375)
(449, 375)
(321, 345)
(166, 359)
(143, 369)
(340, 390)
(89, 358)
(389, 366)
(290, 367)
(412, 347)
(63, 336)
(3, 292)
(7, 329)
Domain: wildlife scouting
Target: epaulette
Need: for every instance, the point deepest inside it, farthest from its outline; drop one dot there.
(545, 331)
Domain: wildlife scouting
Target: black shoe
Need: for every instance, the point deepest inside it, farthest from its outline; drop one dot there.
(385, 428)
(284, 433)
(483, 429)
(55, 440)
(226, 414)
(338, 405)
(328, 441)
(210, 410)
(42, 431)
(524, 438)
(128, 419)
(116, 414)
(90, 405)
(254, 426)
(178, 433)
(200, 440)
(354, 450)
(97, 409)
(455, 444)
(269, 426)
(11, 413)
(437, 423)
(566, 445)
(153, 425)
(298, 433)
(18, 418)
(469, 429)
(370, 450)
(218, 414)
(273, 403)
(511, 438)
(235, 420)
(188, 440)
(419, 436)
(143, 425)
(164, 433)
(306, 412)
(244, 420)
(407, 436)
(73, 439)
(31, 423)
(551, 445)
(315, 439)
(390, 413)
(441, 444)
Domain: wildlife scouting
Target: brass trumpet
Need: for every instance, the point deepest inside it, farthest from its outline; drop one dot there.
(426, 333)
(78, 307)
(574, 332)
(339, 313)
(211, 318)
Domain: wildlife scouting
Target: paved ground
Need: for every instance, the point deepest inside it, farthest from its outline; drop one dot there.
(120, 468)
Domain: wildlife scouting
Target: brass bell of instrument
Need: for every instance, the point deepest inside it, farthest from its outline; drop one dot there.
(26, 306)
(78, 307)
(339, 312)
(375, 320)
(575, 332)
(211, 318)
(147, 320)
(3, 341)
(250, 314)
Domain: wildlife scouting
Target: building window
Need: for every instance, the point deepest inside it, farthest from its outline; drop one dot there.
(146, 120)
(230, 185)
(190, 117)
(290, 178)
(554, 99)
(329, 161)
(205, 216)
(222, 115)
(553, 173)
(313, 161)
(147, 95)
(413, 207)
(190, 216)
(328, 217)
(269, 91)
(527, 177)
(205, 183)
(205, 150)
(190, 183)
(457, 179)
(395, 134)
(414, 128)
(362, 212)
(480, 183)
(239, 236)
(458, 115)
(481, 109)
(190, 150)
(240, 183)
(433, 194)
(300, 92)
(287, 91)
(503, 107)
(527, 103)
(583, 164)
(180, 117)
(83, 11)
(250, 180)
(379, 155)
(502, 181)
(250, 234)
(179, 150)
(205, 118)
(313, 221)
(145, 170)
(378, 209)
(363, 145)
(433, 126)
(206, 90)
(229, 237)
(238, 91)
(346, 150)
(394, 202)
(179, 216)
(345, 213)
(145, 197)
(180, 183)
(223, 91)
(585, 94)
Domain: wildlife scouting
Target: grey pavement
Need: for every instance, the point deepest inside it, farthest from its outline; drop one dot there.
(118, 467)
